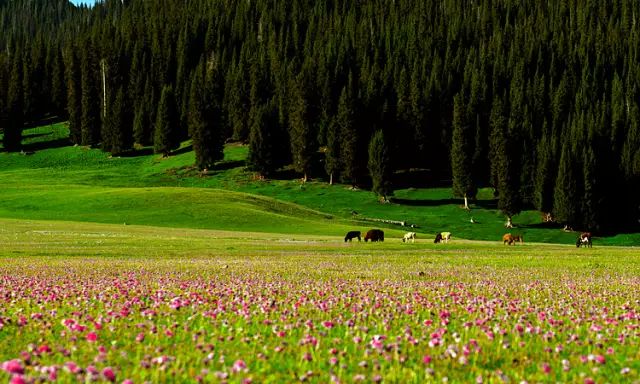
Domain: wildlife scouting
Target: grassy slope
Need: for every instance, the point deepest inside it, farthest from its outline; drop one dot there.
(75, 183)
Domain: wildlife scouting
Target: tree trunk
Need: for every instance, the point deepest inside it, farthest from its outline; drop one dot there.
(304, 179)
(331, 179)
(466, 203)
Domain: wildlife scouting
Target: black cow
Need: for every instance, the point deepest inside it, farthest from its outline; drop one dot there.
(351, 235)
(374, 235)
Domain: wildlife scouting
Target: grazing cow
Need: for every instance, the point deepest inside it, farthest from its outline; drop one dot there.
(518, 239)
(507, 239)
(442, 237)
(584, 240)
(374, 235)
(409, 236)
(351, 235)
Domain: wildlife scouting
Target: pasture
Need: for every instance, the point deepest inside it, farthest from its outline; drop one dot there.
(139, 269)
(84, 301)
(61, 182)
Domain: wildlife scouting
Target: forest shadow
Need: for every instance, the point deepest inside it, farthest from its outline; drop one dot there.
(181, 151)
(35, 135)
(230, 164)
(41, 145)
(138, 152)
(424, 202)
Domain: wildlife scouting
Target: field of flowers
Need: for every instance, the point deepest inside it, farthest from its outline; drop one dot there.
(136, 306)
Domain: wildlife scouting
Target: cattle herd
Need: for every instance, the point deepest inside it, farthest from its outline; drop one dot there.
(375, 235)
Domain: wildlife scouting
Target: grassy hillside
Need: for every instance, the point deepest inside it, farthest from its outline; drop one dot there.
(61, 182)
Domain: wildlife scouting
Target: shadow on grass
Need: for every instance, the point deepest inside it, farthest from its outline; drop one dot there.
(138, 152)
(41, 145)
(181, 151)
(226, 165)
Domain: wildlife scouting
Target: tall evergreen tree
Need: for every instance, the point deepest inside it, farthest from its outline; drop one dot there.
(566, 197)
(380, 165)
(461, 152)
(545, 175)
(262, 142)
(73, 80)
(505, 164)
(58, 88)
(349, 138)
(165, 138)
(90, 101)
(205, 137)
(332, 164)
(301, 134)
(13, 131)
(117, 135)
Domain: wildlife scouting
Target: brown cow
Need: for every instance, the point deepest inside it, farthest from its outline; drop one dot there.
(507, 239)
(512, 239)
(374, 235)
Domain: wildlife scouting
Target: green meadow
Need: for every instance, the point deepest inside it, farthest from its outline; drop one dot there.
(54, 181)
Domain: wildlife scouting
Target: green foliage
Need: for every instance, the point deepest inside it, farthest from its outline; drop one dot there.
(165, 138)
(13, 130)
(116, 137)
(462, 141)
(91, 103)
(300, 132)
(566, 198)
(263, 141)
(380, 165)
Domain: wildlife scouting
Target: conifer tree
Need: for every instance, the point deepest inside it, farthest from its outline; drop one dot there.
(13, 131)
(546, 171)
(165, 138)
(90, 117)
(380, 165)
(58, 89)
(262, 142)
(117, 137)
(332, 163)
(140, 124)
(73, 81)
(461, 152)
(504, 164)
(349, 139)
(301, 135)
(566, 198)
(203, 133)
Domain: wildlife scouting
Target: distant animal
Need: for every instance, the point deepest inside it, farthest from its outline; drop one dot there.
(374, 235)
(584, 240)
(518, 239)
(507, 239)
(409, 236)
(351, 235)
(442, 237)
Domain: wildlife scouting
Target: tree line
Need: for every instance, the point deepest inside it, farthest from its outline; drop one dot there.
(537, 100)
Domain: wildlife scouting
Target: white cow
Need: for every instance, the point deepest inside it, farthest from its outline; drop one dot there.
(409, 236)
(446, 236)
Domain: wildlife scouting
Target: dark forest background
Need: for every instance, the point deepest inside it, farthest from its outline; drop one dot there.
(539, 100)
